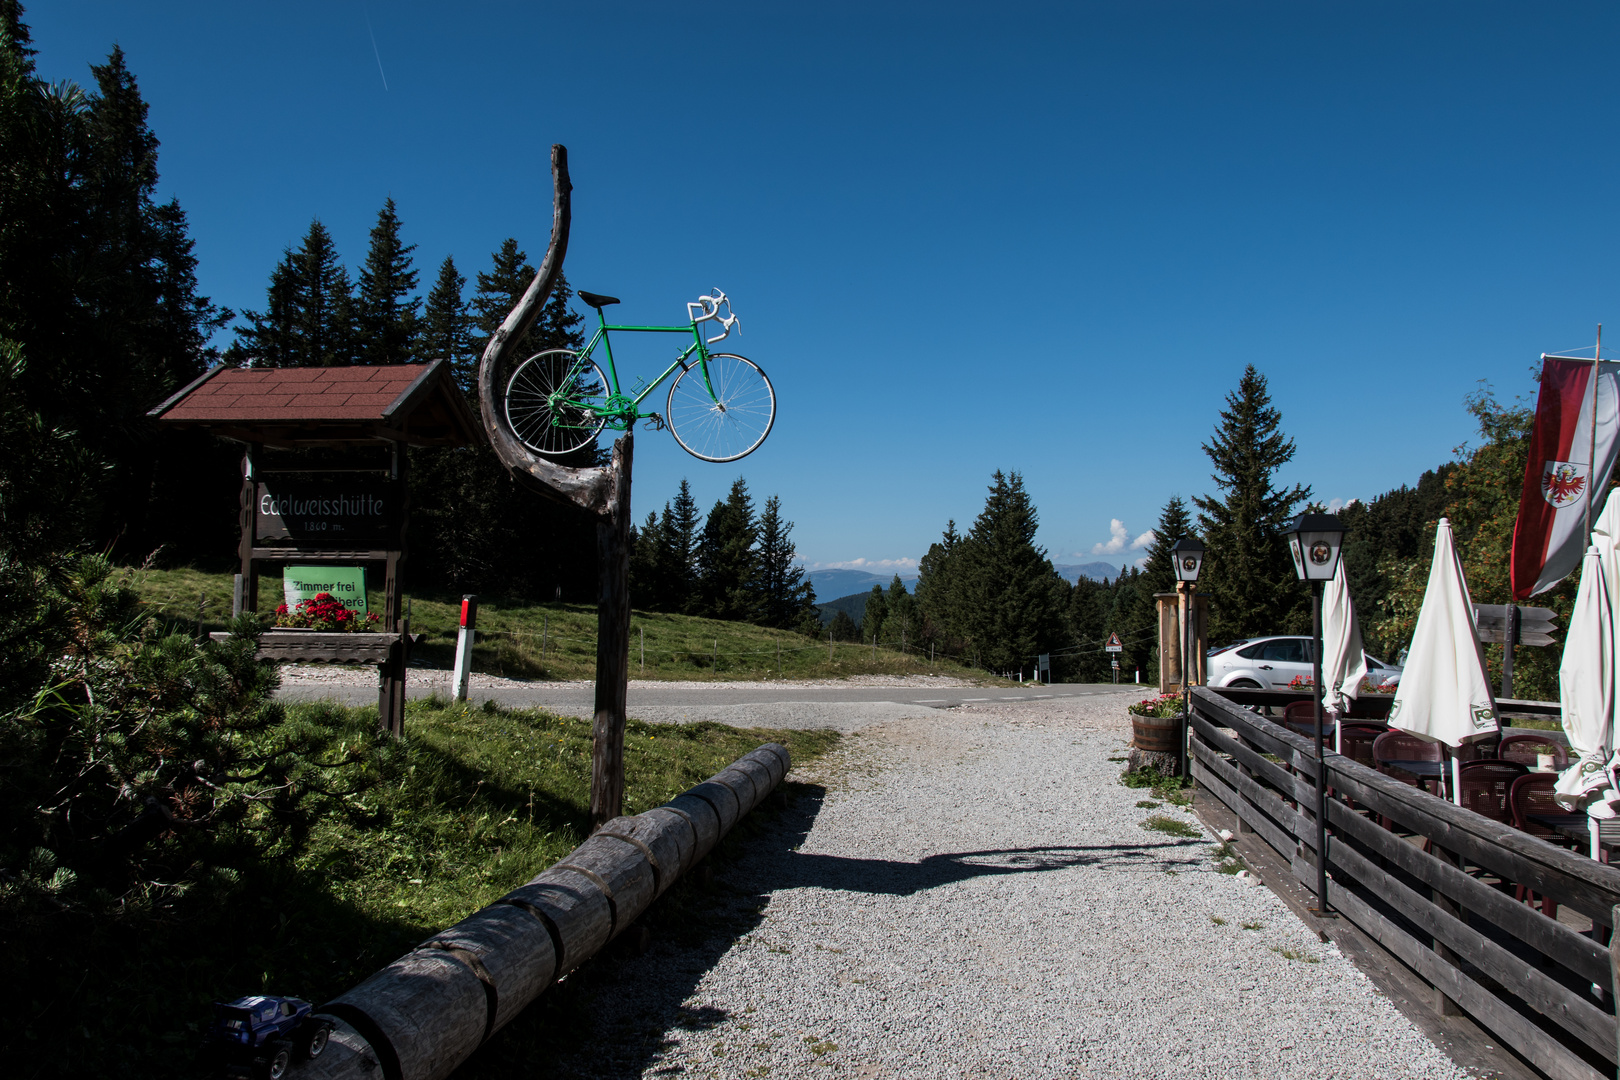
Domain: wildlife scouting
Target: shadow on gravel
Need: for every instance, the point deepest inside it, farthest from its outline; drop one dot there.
(608, 1020)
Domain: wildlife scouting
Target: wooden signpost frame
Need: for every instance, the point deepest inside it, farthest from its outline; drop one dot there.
(389, 648)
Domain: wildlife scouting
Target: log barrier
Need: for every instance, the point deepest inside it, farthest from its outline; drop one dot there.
(425, 1013)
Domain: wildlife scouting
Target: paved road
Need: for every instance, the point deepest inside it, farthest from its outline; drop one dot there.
(740, 704)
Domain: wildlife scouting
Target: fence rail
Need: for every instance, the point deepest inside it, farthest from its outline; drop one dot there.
(1434, 884)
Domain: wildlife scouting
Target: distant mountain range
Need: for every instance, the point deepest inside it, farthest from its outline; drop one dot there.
(1096, 571)
(843, 582)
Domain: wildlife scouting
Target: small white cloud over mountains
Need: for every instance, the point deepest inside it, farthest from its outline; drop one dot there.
(1119, 539)
(871, 566)
(1335, 505)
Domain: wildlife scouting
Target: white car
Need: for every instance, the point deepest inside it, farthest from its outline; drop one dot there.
(1271, 663)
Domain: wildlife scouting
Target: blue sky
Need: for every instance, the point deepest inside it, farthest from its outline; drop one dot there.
(1037, 237)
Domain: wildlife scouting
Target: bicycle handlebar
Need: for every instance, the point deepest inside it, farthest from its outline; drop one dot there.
(705, 308)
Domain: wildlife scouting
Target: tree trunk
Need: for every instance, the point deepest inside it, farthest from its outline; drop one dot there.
(612, 643)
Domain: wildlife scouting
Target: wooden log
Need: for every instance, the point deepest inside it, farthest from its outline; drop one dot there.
(575, 912)
(704, 819)
(665, 838)
(621, 871)
(722, 799)
(424, 1014)
(515, 950)
(427, 1011)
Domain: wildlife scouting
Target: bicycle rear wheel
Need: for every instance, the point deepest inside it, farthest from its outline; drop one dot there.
(731, 422)
(554, 400)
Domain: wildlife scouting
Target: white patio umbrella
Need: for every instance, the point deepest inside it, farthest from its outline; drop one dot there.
(1445, 691)
(1587, 693)
(1344, 664)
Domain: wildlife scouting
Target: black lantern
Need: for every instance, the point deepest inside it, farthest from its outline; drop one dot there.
(1314, 541)
(1188, 556)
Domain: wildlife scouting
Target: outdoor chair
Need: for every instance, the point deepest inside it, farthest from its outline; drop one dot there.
(1533, 794)
(1299, 712)
(1523, 748)
(1485, 786)
(1393, 747)
(1356, 743)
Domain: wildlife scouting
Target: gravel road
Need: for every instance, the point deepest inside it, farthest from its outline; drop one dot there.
(974, 895)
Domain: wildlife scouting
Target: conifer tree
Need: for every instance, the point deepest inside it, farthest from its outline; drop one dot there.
(446, 327)
(1250, 578)
(874, 614)
(385, 311)
(646, 591)
(936, 593)
(787, 600)
(1010, 602)
(677, 557)
(900, 617)
(1158, 575)
(270, 337)
(324, 319)
(842, 627)
(727, 559)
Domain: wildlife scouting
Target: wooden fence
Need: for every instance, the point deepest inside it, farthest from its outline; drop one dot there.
(1437, 891)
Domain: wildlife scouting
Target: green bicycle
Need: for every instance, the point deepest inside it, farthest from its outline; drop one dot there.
(721, 406)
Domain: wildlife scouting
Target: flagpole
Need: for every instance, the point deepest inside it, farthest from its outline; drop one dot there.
(1591, 478)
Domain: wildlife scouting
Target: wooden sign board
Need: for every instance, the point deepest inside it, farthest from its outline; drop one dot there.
(347, 584)
(337, 512)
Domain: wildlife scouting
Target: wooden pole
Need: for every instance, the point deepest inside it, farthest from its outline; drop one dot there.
(612, 643)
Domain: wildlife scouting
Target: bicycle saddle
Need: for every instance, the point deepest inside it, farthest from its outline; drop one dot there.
(597, 302)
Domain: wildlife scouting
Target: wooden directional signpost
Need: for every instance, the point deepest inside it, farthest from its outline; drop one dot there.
(1510, 625)
(1114, 647)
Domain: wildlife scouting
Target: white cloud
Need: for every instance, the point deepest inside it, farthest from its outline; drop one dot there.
(1119, 538)
(869, 565)
(1335, 505)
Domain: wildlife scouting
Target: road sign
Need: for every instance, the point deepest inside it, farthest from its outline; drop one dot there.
(1116, 668)
(1043, 662)
(1535, 624)
(1114, 645)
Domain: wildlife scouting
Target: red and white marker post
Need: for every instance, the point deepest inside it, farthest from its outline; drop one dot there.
(464, 643)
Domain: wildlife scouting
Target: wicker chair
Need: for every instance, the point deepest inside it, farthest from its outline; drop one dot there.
(1485, 786)
(1523, 748)
(1533, 794)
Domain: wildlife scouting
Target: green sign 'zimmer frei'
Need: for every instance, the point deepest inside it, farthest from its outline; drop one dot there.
(347, 584)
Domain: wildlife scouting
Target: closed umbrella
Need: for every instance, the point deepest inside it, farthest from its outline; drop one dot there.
(1344, 664)
(1586, 692)
(1445, 692)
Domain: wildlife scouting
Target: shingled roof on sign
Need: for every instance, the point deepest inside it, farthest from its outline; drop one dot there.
(413, 403)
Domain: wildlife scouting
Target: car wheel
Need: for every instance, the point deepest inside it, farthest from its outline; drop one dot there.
(313, 1043)
(1244, 684)
(277, 1064)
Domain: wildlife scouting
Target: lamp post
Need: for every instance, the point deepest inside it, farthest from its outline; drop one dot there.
(1314, 541)
(1187, 555)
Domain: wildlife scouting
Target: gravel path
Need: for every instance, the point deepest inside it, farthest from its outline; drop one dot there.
(975, 896)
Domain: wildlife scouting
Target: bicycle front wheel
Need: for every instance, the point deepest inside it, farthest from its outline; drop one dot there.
(722, 413)
(554, 401)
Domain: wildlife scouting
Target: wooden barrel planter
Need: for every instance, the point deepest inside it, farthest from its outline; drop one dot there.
(1156, 742)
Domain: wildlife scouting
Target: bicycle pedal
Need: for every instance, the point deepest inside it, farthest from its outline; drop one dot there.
(657, 421)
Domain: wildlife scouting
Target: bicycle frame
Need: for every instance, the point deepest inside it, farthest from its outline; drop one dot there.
(619, 409)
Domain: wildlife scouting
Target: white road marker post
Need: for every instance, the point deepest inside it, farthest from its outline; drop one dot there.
(462, 675)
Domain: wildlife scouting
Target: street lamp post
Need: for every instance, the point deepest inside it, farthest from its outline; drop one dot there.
(1314, 541)
(1187, 554)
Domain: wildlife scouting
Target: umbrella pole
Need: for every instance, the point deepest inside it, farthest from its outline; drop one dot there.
(1456, 775)
(1320, 910)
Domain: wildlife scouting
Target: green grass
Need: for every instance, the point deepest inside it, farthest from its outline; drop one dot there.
(1170, 789)
(479, 801)
(558, 641)
(1171, 827)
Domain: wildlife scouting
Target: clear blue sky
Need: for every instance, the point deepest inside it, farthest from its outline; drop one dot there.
(1039, 237)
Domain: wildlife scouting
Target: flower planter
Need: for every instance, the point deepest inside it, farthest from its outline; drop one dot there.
(1157, 742)
(328, 646)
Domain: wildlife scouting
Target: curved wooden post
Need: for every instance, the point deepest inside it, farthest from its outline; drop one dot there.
(612, 642)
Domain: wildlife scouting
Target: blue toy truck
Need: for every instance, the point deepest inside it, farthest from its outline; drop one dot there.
(259, 1038)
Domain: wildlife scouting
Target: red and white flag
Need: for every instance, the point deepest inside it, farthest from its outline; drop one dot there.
(1550, 534)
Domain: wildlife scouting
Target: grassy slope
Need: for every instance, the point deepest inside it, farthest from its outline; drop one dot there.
(558, 641)
(485, 799)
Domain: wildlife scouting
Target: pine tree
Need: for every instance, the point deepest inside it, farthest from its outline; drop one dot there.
(900, 618)
(936, 594)
(1009, 601)
(446, 327)
(644, 583)
(728, 562)
(874, 615)
(842, 627)
(270, 337)
(324, 319)
(787, 600)
(677, 559)
(1250, 578)
(1087, 615)
(385, 312)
